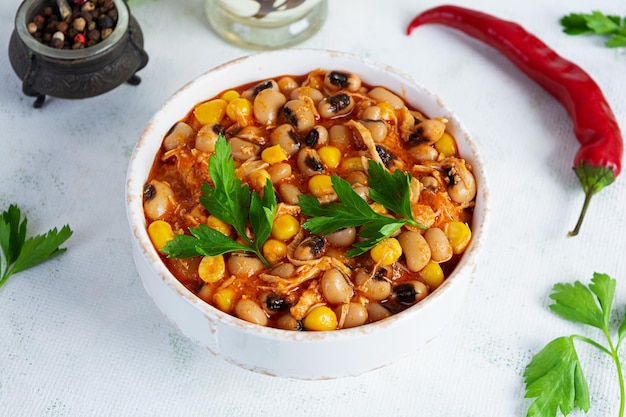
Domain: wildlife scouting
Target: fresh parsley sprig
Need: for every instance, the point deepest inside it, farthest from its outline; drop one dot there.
(554, 376)
(596, 23)
(20, 253)
(390, 190)
(231, 201)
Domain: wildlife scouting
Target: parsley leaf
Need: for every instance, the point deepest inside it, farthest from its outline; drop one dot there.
(231, 201)
(20, 253)
(392, 191)
(554, 376)
(597, 23)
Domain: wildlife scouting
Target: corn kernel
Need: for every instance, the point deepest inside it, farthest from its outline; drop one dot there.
(285, 227)
(459, 235)
(274, 250)
(224, 299)
(240, 110)
(354, 163)
(321, 185)
(258, 179)
(274, 154)
(160, 233)
(330, 156)
(321, 318)
(212, 268)
(387, 112)
(432, 275)
(379, 208)
(219, 225)
(210, 112)
(446, 145)
(230, 95)
(386, 252)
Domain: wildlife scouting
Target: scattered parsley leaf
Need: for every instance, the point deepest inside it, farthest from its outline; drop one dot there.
(554, 377)
(20, 253)
(392, 191)
(597, 23)
(231, 201)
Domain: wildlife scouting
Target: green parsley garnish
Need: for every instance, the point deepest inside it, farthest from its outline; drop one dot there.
(20, 253)
(231, 201)
(597, 23)
(390, 190)
(554, 376)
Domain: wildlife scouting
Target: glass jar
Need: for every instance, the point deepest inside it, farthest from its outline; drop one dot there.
(266, 24)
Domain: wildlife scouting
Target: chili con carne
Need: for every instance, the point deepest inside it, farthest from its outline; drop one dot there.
(598, 161)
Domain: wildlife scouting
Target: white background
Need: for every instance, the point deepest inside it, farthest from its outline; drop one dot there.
(79, 336)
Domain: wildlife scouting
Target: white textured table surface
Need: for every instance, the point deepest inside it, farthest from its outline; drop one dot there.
(79, 336)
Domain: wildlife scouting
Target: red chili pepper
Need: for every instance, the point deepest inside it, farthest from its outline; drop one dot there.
(599, 160)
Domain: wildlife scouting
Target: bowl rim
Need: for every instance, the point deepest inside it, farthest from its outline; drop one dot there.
(463, 270)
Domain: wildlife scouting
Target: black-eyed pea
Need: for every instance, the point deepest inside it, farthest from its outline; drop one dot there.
(377, 128)
(267, 105)
(309, 162)
(409, 293)
(252, 92)
(375, 286)
(462, 184)
(339, 80)
(207, 137)
(342, 237)
(313, 247)
(381, 94)
(179, 134)
(335, 106)
(357, 315)
(416, 250)
(440, 248)
(299, 114)
(429, 130)
(158, 199)
(243, 266)
(335, 287)
(286, 136)
(377, 311)
(279, 172)
(316, 137)
(289, 193)
(250, 311)
(242, 150)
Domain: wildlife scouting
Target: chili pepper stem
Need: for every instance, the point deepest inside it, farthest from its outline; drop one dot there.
(579, 223)
(593, 179)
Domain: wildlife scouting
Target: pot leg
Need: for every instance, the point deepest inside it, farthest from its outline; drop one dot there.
(29, 81)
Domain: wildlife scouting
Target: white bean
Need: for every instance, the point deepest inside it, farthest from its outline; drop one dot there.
(279, 172)
(381, 94)
(335, 287)
(416, 250)
(440, 247)
(207, 137)
(356, 316)
(243, 266)
(286, 136)
(343, 237)
(267, 105)
(242, 150)
(250, 311)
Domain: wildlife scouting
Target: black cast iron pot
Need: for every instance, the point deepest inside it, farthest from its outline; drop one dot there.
(76, 74)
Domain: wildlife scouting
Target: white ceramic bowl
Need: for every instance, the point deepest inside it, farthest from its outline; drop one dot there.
(302, 355)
